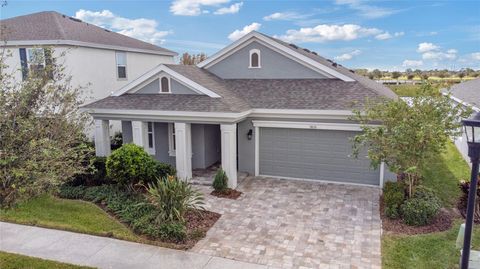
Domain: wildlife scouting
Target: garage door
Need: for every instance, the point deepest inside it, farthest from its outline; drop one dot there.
(313, 154)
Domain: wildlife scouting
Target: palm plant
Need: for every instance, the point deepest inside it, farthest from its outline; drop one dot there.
(174, 198)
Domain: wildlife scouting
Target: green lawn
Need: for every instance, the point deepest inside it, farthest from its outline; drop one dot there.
(71, 215)
(435, 250)
(15, 261)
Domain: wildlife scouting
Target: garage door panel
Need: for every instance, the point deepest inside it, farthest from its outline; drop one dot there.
(313, 154)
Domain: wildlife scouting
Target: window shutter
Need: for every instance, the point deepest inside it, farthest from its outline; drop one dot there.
(24, 63)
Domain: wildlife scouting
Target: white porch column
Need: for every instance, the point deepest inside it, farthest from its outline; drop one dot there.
(139, 133)
(102, 138)
(229, 152)
(183, 151)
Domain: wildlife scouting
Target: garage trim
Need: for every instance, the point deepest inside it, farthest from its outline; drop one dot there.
(307, 125)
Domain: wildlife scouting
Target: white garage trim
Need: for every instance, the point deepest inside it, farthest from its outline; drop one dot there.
(307, 125)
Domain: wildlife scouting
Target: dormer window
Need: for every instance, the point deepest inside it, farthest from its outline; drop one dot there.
(164, 85)
(254, 58)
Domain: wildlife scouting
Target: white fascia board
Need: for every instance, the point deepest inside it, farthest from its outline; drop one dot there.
(82, 44)
(308, 125)
(476, 109)
(288, 51)
(184, 80)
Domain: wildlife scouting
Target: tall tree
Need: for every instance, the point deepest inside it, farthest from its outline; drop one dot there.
(192, 59)
(41, 129)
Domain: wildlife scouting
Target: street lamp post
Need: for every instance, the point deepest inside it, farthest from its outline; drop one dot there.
(472, 132)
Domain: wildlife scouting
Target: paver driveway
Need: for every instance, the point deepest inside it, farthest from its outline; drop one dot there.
(297, 224)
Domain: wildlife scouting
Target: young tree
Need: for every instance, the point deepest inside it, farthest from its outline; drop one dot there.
(408, 134)
(41, 130)
(192, 59)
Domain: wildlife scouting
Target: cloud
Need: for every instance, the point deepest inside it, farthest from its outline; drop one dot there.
(141, 28)
(229, 10)
(285, 16)
(332, 32)
(247, 29)
(475, 56)
(193, 7)
(431, 51)
(387, 35)
(424, 47)
(365, 10)
(412, 63)
(348, 56)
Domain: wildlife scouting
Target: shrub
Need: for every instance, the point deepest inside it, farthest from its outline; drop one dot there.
(94, 175)
(220, 183)
(393, 198)
(462, 204)
(422, 208)
(116, 141)
(130, 164)
(71, 192)
(174, 198)
(173, 231)
(163, 170)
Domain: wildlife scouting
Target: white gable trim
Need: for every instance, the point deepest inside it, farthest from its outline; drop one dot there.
(147, 78)
(286, 51)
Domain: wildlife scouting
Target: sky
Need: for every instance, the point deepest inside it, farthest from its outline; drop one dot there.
(388, 35)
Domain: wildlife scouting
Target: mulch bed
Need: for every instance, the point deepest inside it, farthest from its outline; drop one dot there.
(228, 193)
(441, 223)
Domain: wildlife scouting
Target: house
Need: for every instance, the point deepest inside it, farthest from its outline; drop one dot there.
(468, 94)
(93, 56)
(259, 105)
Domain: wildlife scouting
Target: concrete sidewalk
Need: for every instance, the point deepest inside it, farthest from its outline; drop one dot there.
(102, 252)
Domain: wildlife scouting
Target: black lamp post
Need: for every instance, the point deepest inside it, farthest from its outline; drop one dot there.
(472, 131)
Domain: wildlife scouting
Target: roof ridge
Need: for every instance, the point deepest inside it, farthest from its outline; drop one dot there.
(57, 22)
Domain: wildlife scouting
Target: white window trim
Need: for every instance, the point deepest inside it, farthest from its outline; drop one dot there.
(151, 150)
(257, 51)
(27, 52)
(117, 65)
(169, 84)
(171, 139)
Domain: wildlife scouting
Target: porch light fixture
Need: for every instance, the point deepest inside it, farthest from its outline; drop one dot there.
(249, 134)
(472, 132)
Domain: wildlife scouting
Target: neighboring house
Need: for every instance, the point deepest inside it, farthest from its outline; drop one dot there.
(93, 56)
(468, 94)
(260, 106)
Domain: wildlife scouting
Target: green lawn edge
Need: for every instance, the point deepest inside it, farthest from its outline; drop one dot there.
(16, 261)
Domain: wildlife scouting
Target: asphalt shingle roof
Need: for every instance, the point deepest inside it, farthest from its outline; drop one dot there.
(51, 25)
(468, 92)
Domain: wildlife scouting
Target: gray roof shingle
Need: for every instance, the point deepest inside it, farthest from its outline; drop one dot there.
(51, 25)
(468, 91)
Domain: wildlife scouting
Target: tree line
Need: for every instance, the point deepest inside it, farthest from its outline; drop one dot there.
(417, 73)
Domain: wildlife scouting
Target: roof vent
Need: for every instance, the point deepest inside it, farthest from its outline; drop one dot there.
(106, 30)
(293, 46)
(314, 53)
(306, 50)
(334, 64)
(75, 19)
(329, 60)
(351, 70)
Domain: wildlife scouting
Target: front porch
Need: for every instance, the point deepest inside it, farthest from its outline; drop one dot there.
(185, 145)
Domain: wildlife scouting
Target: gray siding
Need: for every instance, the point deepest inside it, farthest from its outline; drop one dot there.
(161, 143)
(273, 66)
(205, 145)
(176, 88)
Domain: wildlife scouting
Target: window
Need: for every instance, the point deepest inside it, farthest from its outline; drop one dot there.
(151, 137)
(121, 58)
(172, 147)
(254, 58)
(164, 85)
(32, 60)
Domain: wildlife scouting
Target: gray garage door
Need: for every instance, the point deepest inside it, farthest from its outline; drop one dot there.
(313, 154)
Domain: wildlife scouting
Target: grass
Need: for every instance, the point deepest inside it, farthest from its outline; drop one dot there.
(16, 261)
(405, 90)
(435, 250)
(70, 215)
(444, 173)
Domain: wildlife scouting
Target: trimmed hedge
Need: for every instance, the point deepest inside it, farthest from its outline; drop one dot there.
(422, 208)
(130, 208)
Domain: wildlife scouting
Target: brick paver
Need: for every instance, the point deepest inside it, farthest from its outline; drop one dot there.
(296, 224)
